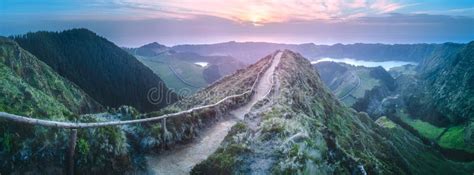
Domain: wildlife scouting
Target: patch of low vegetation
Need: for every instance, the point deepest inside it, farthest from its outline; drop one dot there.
(385, 122)
(237, 83)
(188, 71)
(424, 128)
(273, 125)
(454, 139)
(238, 128)
(225, 158)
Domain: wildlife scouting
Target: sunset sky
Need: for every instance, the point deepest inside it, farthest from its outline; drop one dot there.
(137, 22)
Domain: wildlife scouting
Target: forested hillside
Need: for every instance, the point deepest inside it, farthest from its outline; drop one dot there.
(451, 84)
(106, 72)
(433, 100)
(30, 87)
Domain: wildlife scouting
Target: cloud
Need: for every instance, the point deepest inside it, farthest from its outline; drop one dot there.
(384, 6)
(358, 4)
(469, 11)
(261, 12)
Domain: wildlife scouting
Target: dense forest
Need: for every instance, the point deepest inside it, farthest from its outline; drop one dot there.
(29, 87)
(450, 84)
(104, 71)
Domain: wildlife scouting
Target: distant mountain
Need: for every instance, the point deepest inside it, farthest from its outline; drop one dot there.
(444, 86)
(181, 71)
(148, 50)
(451, 84)
(437, 101)
(433, 100)
(104, 71)
(357, 85)
(407, 69)
(249, 52)
(30, 87)
(301, 128)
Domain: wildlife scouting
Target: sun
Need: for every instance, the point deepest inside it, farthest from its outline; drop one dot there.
(256, 20)
(257, 16)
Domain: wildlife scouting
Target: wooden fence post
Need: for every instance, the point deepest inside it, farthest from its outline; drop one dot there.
(70, 152)
(163, 124)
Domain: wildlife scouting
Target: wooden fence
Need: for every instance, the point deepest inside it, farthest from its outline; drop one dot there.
(74, 126)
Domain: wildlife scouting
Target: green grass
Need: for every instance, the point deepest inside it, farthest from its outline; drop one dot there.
(385, 122)
(19, 97)
(424, 128)
(27, 83)
(188, 71)
(344, 89)
(366, 82)
(171, 81)
(454, 139)
(349, 101)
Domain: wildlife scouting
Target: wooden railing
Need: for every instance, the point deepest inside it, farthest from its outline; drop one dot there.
(74, 126)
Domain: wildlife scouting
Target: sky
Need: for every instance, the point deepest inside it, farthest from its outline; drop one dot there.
(133, 23)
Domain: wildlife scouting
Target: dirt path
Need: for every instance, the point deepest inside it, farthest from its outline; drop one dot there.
(182, 159)
(262, 88)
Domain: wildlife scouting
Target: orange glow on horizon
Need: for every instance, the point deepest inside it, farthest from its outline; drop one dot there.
(259, 13)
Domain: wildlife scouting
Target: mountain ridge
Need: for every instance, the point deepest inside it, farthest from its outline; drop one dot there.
(91, 61)
(303, 129)
(41, 78)
(249, 52)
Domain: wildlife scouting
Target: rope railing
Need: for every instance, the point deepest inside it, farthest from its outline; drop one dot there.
(73, 125)
(69, 167)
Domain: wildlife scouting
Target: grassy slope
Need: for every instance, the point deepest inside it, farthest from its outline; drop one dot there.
(306, 131)
(158, 57)
(424, 128)
(35, 87)
(21, 98)
(445, 98)
(30, 87)
(191, 73)
(367, 82)
(106, 72)
(453, 138)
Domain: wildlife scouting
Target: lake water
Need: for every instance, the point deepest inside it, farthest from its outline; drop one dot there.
(202, 64)
(385, 64)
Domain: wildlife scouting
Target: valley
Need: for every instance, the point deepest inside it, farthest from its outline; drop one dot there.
(385, 64)
(184, 72)
(297, 138)
(181, 160)
(206, 87)
(279, 114)
(403, 94)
